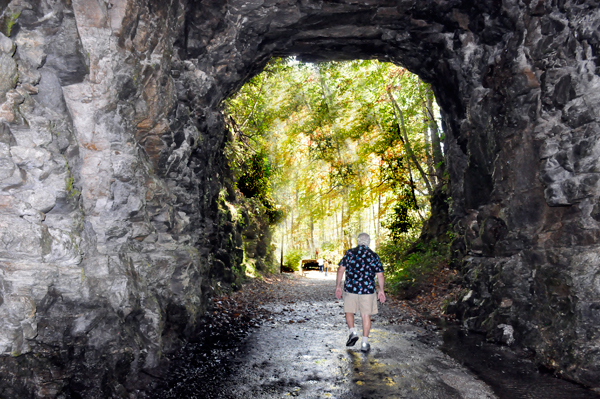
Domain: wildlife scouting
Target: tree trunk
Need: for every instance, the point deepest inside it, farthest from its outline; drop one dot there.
(342, 229)
(372, 220)
(379, 223)
(282, 242)
(312, 234)
(436, 147)
(407, 146)
(326, 92)
(291, 230)
(262, 85)
(429, 149)
(360, 229)
(337, 230)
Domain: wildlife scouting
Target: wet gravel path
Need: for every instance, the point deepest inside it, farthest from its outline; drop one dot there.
(301, 353)
(286, 338)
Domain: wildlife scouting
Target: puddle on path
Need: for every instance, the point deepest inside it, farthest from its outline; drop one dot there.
(312, 362)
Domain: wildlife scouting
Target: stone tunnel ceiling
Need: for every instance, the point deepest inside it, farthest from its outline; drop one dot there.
(113, 231)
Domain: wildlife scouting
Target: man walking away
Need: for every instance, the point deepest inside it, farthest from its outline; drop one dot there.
(361, 265)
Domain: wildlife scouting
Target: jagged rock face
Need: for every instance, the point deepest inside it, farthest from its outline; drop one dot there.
(117, 216)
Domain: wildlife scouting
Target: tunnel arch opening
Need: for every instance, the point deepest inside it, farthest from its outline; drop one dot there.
(339, 32)
(355, 145)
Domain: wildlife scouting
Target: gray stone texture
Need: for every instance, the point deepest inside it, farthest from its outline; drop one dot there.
(117, 214)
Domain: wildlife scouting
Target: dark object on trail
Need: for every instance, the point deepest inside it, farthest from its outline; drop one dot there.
(286, 269)
(310, 264)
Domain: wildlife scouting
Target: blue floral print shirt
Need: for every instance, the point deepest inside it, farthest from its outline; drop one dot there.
(361, 265)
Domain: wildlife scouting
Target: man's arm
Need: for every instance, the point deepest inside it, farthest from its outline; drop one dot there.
(381, 293)
(338, 283)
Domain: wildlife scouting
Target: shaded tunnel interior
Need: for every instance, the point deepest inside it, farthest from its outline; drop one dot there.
(115, 184)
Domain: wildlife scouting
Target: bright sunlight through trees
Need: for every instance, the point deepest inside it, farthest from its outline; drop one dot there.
(329, 150)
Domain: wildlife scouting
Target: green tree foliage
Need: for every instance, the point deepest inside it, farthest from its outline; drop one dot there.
(293, 258)
(409, 265)
(401, 220)
(339, 147)
(255, 174)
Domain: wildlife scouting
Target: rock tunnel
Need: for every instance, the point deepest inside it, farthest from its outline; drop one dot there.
(113, 232)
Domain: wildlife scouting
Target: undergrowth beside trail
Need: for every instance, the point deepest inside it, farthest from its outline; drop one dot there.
(408, 266)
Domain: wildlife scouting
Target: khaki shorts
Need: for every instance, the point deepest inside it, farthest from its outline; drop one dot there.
(366, 303)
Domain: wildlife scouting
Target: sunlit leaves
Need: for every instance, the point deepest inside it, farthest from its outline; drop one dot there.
(334, 138)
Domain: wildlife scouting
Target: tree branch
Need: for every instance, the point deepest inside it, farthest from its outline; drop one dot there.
(400, 116)
(255, 102)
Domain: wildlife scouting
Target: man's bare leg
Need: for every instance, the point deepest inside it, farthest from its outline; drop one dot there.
(353, 337)
(366, 320)
(350, 320)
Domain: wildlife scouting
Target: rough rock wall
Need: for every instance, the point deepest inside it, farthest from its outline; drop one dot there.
(116, 217)
(524, 171)
(114, 223)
